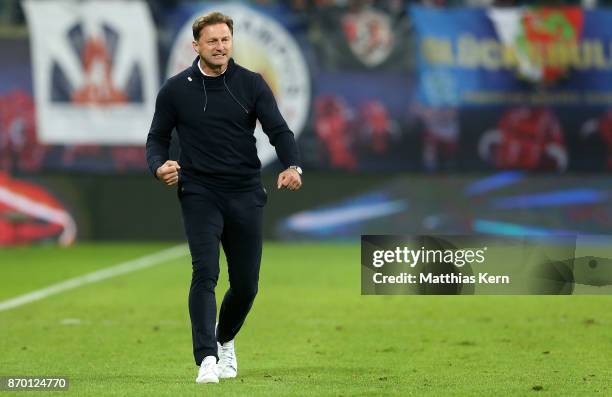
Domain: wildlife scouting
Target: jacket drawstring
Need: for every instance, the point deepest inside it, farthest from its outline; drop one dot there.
(205, 95)
(228, 90)
(232, 95)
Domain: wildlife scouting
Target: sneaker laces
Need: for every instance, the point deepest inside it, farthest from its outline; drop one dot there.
(227, 354)
(207, 365)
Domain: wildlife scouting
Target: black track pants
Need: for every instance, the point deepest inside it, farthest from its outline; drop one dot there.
(233, 219)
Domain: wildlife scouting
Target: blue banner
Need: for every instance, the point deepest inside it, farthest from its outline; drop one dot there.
(544, 56)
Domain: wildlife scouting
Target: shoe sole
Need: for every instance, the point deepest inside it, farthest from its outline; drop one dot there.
(207, 381)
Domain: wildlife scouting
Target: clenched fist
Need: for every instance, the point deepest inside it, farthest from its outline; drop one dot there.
(168, 172)
(290, 179)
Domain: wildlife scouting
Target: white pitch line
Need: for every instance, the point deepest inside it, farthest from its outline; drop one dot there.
(99, 275)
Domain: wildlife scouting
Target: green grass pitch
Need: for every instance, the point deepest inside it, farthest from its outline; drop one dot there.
(310, 332)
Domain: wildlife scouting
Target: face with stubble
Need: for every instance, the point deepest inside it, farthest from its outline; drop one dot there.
(214, 46)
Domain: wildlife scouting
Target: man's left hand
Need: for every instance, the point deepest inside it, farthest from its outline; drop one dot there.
(290, 179)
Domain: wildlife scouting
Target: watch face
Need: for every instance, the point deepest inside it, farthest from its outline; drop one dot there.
(298, 169)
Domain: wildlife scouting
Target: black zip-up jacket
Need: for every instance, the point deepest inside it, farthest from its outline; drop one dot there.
(215, 120)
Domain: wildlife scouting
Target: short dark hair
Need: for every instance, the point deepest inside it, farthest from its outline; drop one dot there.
(212, 18)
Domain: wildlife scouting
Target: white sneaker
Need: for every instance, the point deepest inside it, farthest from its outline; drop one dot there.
(208, 371)
(228, 366)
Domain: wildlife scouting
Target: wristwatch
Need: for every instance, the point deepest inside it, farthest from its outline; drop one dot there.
(297, 168)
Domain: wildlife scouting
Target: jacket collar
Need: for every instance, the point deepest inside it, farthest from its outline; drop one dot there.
(231, 66)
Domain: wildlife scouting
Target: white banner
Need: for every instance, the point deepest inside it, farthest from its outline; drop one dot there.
(95, 70)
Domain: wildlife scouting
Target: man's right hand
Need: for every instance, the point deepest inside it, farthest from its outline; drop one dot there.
(168, 172)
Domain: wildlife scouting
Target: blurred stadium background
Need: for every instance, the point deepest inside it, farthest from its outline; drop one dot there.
(433, 117)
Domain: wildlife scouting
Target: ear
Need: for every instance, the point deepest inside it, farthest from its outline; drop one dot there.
(195, 46)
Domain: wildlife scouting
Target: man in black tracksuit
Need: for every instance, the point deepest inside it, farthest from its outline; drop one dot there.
(214, 105)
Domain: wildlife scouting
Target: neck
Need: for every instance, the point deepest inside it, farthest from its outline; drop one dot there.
(212, 70)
